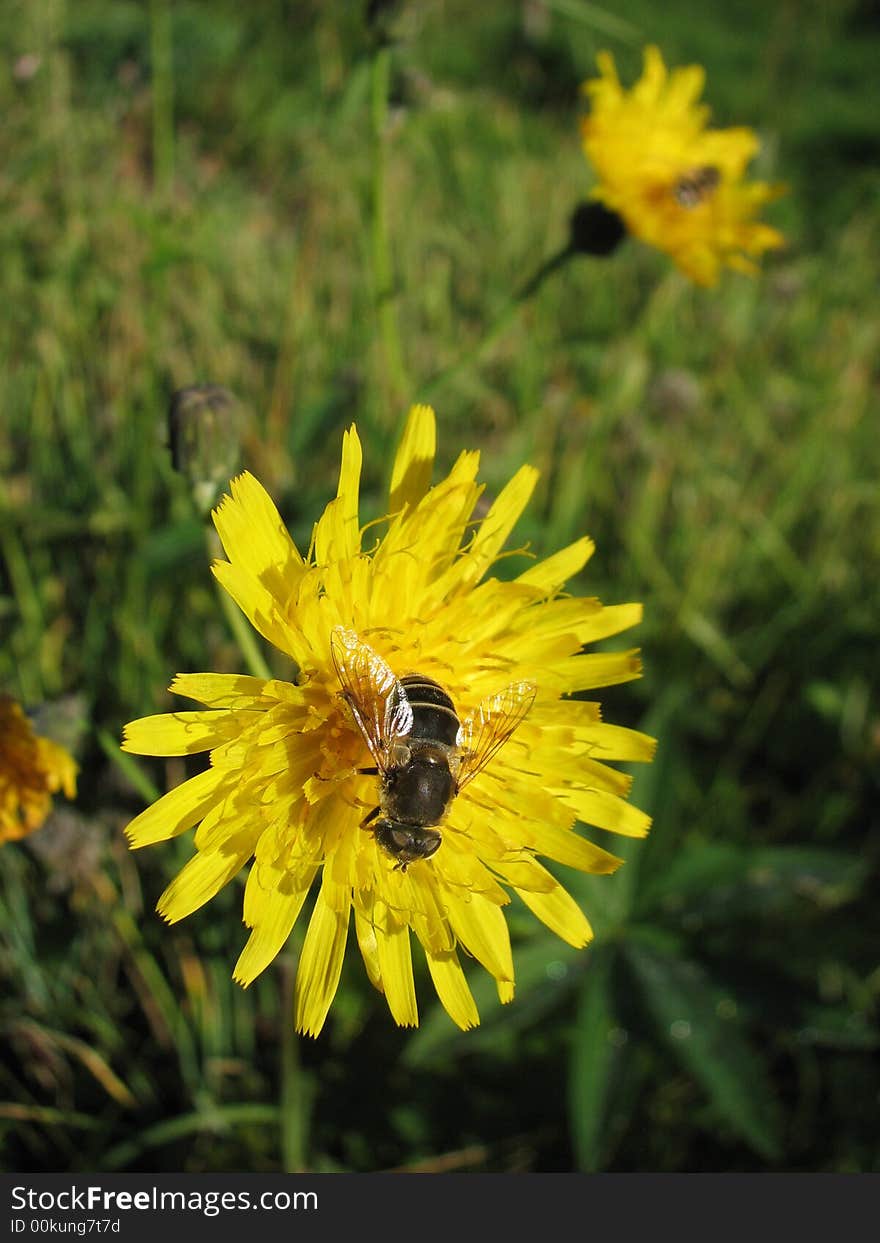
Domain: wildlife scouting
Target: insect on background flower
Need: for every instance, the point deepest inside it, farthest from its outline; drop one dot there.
(417, 609)
(32, 769)
(677, 184)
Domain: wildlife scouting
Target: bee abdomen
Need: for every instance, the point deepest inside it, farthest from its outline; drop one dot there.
(434, 715)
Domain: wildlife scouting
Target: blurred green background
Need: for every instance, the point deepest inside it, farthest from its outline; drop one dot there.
(212, 192)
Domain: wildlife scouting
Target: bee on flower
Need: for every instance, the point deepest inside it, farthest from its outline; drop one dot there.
(425, 751)
(676, 183)
(32, 769)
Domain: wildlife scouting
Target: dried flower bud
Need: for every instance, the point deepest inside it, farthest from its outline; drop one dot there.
(204, 435)
(380, 14)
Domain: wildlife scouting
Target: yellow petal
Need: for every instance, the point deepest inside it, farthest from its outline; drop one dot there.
(234, 814)
(607, 68)
(685, 88)
(573, 713)
(562, 915)
(395, 963)
(204, 876)
(255, 538)
(497, 525)
(647, 89)
(481, 927)
(452, 989)
(257, 603)
(178, 810)
(550, 574)
(411, 474)
(610, 619)
(368, 945)
(271, 914)
(461, 867)
(320, 963)
(524, 873)
(184, 733)
(443, 513)
(605, 669)
(59, 767)
(219, 690)
(551, 618)
(568, 848)
(428, 914)
(337, 533)
(606, 811)
(616, 742)
(597, 776)
(505, 990)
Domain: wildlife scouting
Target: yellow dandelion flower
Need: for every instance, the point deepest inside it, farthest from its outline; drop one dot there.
(677, 184)
(395, 644)
(32, 769)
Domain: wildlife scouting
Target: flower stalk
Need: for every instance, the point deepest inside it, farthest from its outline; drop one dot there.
(502, 321)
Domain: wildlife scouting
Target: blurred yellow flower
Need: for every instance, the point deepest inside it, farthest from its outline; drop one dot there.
(677, 184)
(284, 783)
(32, 769)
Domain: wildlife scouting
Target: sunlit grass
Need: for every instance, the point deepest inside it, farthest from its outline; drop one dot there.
(722, 451)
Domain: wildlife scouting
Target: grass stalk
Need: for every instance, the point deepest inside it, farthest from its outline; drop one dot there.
(394, 372)
(295, 1102)
(162, 71)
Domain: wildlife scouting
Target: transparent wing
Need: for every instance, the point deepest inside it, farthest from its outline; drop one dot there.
(482, 735)
(376, 697)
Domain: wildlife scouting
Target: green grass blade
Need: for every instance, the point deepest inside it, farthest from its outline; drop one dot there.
(687, 1009)
(591, 1067)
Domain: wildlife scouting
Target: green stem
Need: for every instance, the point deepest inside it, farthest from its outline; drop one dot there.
(244, 637)
(500, 323)
(238, 623)
(383, 275)
(295, 1102)
(128, 766)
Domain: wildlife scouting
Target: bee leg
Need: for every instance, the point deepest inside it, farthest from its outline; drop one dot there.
(370, 816)
(367, 772)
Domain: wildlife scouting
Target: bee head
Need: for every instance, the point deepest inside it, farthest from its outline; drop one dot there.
(407, 843)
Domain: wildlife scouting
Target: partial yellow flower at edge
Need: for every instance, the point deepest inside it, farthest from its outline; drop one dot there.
(676, 183)
(32, 769)
(283, 790)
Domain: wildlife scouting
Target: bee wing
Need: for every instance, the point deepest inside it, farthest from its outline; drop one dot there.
(485, 733)
(376, 697)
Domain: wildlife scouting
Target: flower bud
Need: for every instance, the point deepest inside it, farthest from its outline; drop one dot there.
(594, 230)
(204, 435)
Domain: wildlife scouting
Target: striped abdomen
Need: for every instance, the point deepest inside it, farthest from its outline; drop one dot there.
(434, 718)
